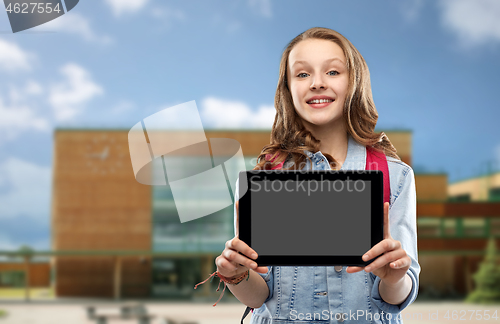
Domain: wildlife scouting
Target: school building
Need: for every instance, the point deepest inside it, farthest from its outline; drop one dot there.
(113, 236)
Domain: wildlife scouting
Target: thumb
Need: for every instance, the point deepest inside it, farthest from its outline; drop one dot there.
(237, 218)
(387, 233)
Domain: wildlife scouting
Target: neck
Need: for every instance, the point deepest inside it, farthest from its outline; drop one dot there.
(334, 141)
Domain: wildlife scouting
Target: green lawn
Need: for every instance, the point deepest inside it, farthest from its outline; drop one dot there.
(18, 293)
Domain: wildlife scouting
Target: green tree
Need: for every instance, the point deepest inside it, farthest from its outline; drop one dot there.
(22, 250)
(26, 249)
(487, 278)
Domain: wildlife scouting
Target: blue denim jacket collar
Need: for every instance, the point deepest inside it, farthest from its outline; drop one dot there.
(355, 159)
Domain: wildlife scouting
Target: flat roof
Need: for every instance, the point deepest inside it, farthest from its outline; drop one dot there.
(483, 175)
(120, 129)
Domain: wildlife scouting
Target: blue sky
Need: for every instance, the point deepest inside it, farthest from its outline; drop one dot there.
(434, 70)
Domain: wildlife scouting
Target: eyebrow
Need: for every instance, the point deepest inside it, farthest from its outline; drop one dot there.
(327, 61)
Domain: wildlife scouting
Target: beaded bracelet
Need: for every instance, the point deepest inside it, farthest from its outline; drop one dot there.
(231, 281)
(234, 281)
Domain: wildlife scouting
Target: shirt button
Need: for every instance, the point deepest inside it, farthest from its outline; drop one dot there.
(341, 319)
(338, 268)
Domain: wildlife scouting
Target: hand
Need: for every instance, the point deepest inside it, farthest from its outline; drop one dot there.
(392, 266)
(231, 263)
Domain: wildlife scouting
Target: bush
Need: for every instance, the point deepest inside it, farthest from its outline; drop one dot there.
(487, 278)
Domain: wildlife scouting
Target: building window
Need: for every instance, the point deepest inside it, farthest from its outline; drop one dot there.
(460, 198)
(428, 226)
(495, 226)
(12, 279)
(474, 227)
(494, 194)
(449, 227)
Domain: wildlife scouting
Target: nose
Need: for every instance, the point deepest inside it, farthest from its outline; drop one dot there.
(317, 83)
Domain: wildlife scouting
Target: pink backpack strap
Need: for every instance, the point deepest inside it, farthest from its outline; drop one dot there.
(279, 166)
(378, 161)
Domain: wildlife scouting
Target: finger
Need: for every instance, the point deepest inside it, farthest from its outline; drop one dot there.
(385, 259)
(387, 233)
(224, 266)
(384, 246)
(262, 269)
(240, 246)
(237, 218)
(353, 269)
(239, 259)
(402, 263)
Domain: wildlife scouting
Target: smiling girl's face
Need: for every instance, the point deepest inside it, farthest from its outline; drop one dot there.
(318, 81)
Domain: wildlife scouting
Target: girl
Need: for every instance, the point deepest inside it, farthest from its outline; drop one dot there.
(325, 119)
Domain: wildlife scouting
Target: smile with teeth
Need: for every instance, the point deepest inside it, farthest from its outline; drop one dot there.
(315, 101)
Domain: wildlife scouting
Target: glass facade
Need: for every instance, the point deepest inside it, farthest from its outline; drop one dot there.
(458, 227)
(13, 278)
(174, 276)
(494, 194)
(460, 198)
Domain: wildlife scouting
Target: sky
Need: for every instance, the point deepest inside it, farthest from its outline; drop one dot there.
(110, 63)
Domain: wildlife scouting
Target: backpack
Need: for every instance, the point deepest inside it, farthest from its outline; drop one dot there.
(374, 161)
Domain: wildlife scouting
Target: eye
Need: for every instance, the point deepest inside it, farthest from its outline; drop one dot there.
(299, 75)
(334, 72)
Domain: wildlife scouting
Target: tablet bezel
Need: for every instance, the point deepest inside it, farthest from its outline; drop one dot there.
(377, 217)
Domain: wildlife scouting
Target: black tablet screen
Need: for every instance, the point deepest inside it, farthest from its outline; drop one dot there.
(311, 217)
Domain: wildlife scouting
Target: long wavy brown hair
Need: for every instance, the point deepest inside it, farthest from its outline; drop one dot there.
(289, 138)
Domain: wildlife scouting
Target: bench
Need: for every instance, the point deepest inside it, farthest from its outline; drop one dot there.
(126, 310)
(141, 319)
(168, 320)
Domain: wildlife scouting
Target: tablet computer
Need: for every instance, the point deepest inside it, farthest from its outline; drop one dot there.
(299, 218)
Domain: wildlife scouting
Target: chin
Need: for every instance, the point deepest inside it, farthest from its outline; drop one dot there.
(323, 122)
(317, 123)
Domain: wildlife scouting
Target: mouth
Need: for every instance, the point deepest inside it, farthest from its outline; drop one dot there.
(320, 103)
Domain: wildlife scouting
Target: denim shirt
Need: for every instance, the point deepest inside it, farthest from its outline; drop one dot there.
(328, 294)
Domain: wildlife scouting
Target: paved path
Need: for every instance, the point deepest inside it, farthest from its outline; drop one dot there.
(230, 313)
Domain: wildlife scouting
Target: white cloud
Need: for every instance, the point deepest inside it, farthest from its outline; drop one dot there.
(30, 189)
(120, 7)
(33, 88)
(13, 58)
(19, 96)
(220, 113)
(19, 118)
(263, 7)
(19, 111)
(77, 24)
(68, 98)
(474, 22)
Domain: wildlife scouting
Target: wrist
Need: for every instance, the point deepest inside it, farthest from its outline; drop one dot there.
(394, 284)
(397, 293)
(236, 279)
